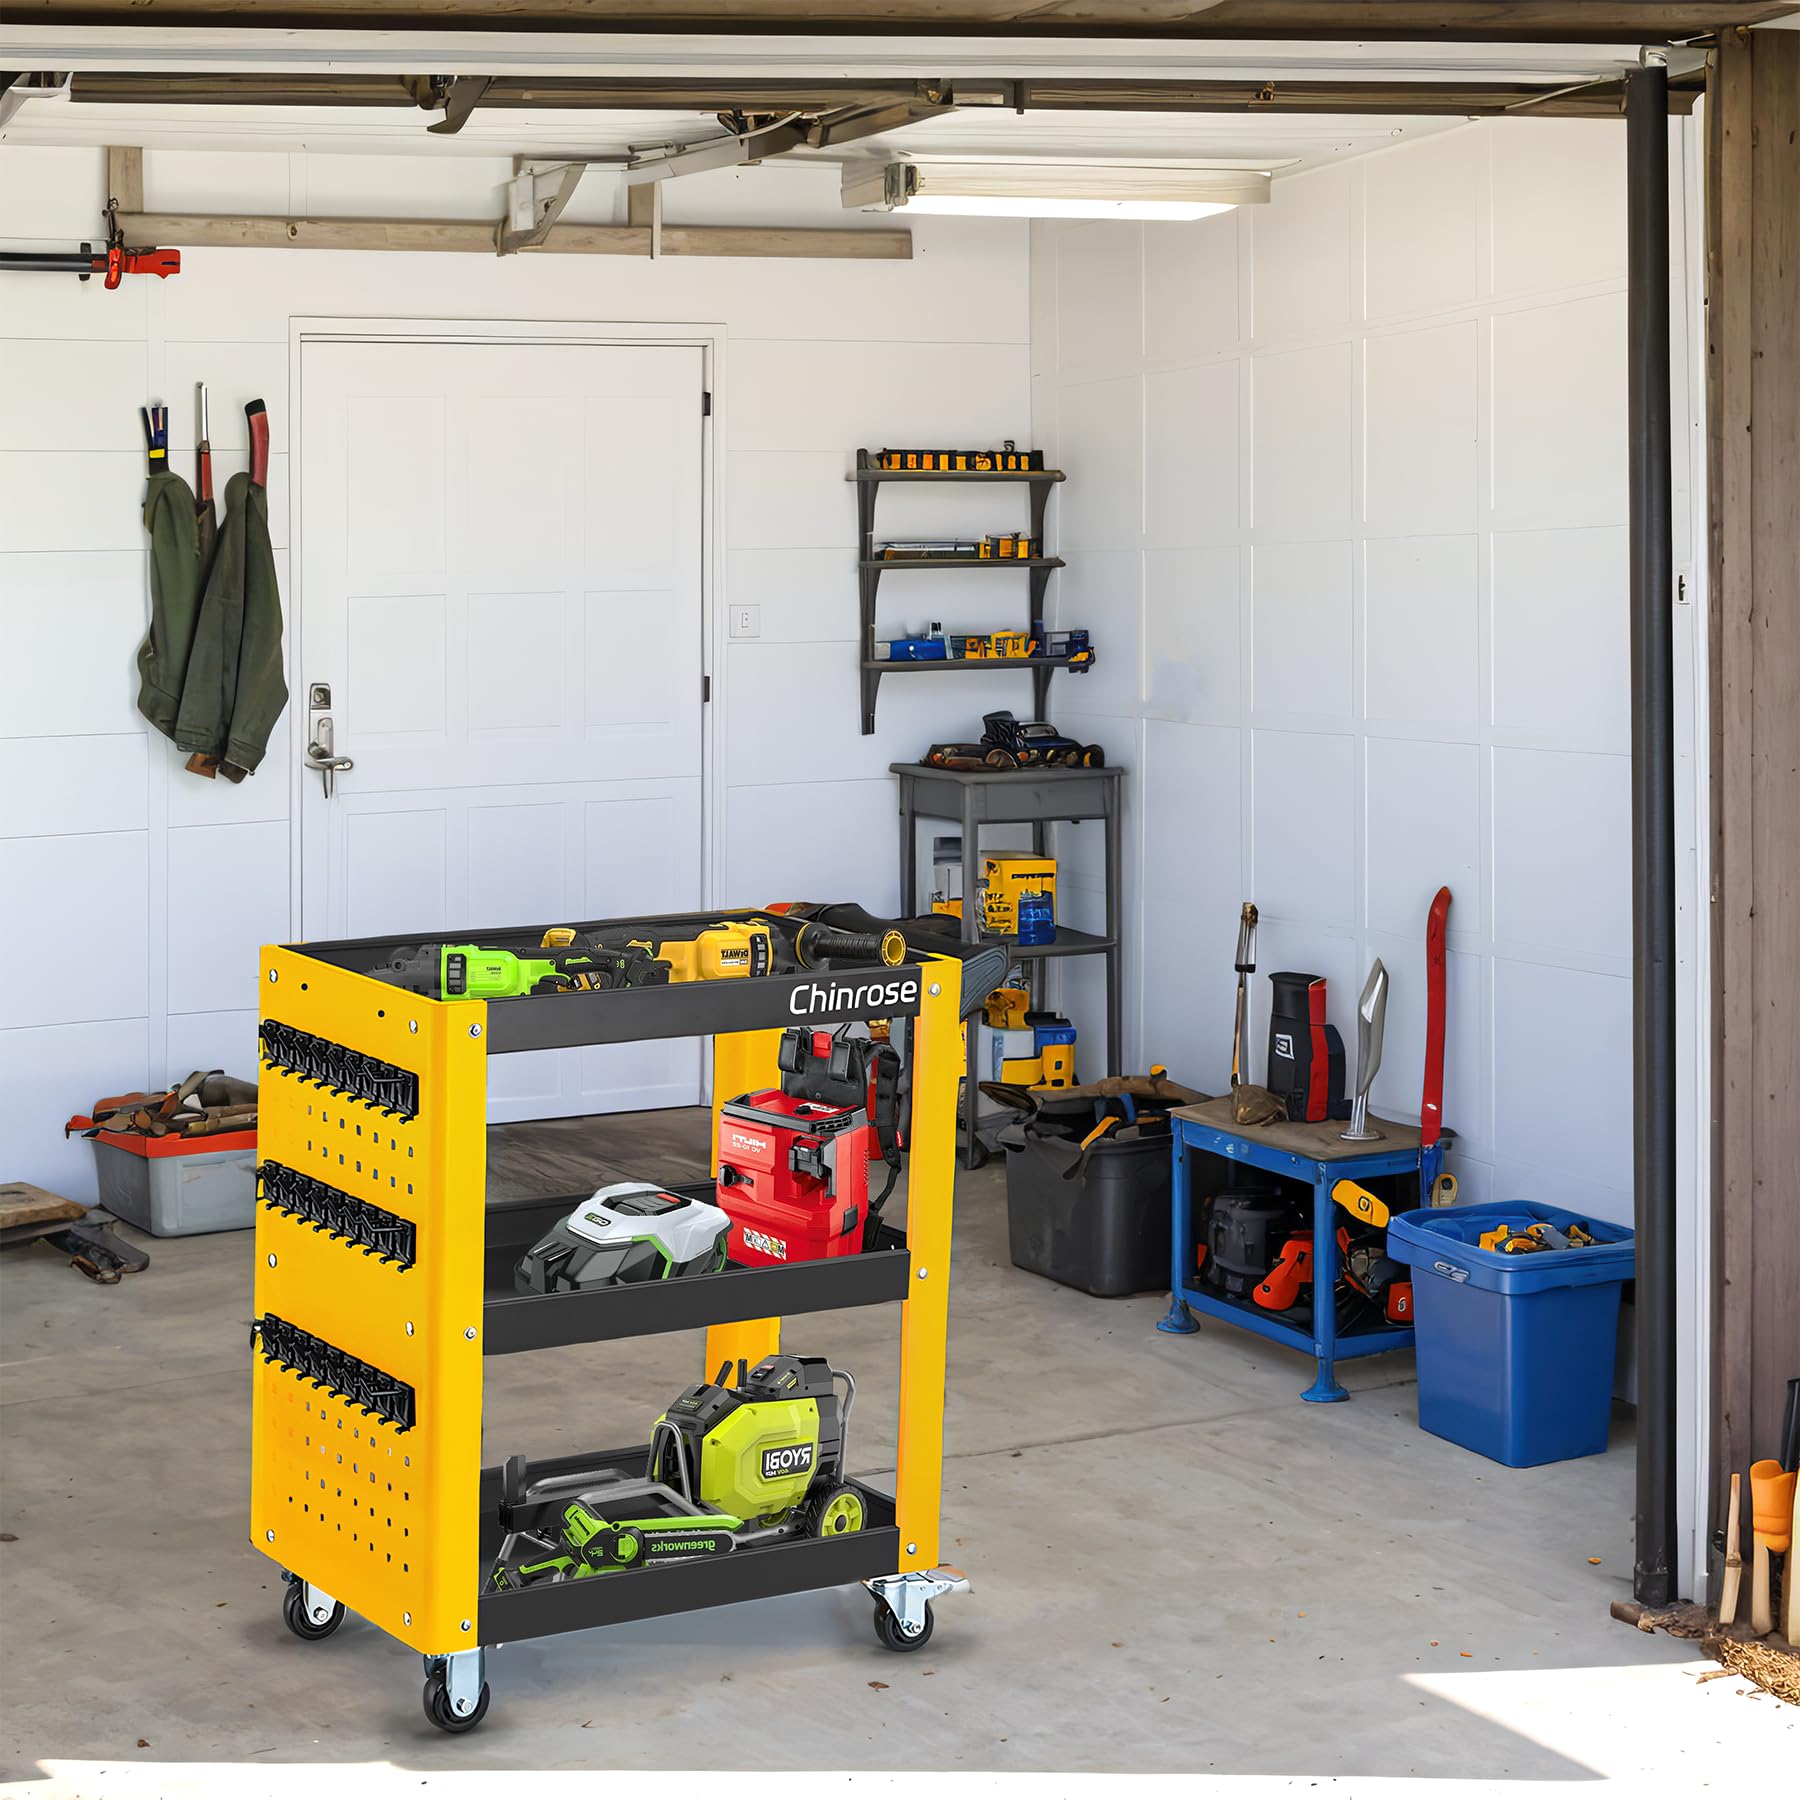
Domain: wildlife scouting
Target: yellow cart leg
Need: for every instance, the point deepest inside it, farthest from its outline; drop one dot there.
(743, 1061)
(925, 1315)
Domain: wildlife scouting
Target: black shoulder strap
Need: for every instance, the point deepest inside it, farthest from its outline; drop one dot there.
(887, 1119)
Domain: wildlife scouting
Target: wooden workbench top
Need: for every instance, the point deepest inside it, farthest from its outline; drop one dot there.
(1318, 1143)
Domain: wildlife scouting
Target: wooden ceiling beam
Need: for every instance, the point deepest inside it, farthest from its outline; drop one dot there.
(1430, 21)
(476, 237)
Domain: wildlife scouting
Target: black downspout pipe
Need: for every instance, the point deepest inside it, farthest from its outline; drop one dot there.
(1652, 822)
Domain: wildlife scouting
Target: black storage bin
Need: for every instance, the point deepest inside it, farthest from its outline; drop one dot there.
(1103, 1228)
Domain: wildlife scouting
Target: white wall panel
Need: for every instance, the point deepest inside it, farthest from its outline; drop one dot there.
(47, 190)
(1559, 414)
(1300, 256)
(1419, 430)
(1562, 1072)
(1191, 455)
(1422, 208)
(77, 500)
(1102, 591)
(227, 897)
(244, 181)
(70, 395)
(1421, 630)
(34, 307)
(776, 849)
(1560, 614)
(1562, 855)
(1301, 427)
(210, 1040)
(1102, 453)
(1099, 296)
(1558, 205)
(74, 619)
(1303, 825)
(789, 499)
(1191, 287)
(90, 891)
(801, 596)
(1422, 809)
(1300, 629)
(1191, 773)
(839, 395)
(1043, 299)
(775, 686)
(1191, 607)
(87, 784)
(51, 1073)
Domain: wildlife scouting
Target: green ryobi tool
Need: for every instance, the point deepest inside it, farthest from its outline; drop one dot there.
(728, 1466)
(469, 972)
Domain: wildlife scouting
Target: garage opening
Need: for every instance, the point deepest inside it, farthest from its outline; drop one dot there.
(926, 859)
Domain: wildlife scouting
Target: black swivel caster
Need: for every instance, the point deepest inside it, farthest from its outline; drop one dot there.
(300, 1622)
(439, 1712)
(888, 1628)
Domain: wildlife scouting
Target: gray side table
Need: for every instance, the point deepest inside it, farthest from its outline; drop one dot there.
(1038, 798)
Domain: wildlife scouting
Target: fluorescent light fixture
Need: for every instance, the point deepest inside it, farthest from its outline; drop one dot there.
(1047, 190)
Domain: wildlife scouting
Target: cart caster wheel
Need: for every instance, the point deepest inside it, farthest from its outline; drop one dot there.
(437, 1707)
(294, 1614)
(893, 1636)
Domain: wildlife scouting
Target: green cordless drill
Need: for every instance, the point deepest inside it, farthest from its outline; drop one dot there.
(468, 972)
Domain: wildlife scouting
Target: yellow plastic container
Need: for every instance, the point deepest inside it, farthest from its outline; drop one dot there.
(1004, 877)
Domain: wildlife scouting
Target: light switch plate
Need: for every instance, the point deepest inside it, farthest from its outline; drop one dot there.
(746, 621)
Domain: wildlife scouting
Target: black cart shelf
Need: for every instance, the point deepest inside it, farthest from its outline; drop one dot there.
(871, 568)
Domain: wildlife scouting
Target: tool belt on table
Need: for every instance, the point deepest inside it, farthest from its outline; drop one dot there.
(206, 1103)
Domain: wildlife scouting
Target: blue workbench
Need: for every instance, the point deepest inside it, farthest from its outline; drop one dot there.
(1318, 1156)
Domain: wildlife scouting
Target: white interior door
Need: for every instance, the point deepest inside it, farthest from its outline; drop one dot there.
(500, 583)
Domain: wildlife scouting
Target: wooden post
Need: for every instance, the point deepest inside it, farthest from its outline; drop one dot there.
(125, 177)
(1753, 430)
(643, 205)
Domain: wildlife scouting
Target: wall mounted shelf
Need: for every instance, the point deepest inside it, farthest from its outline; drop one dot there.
(870, 568)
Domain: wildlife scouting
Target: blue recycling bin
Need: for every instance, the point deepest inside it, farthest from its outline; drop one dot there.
(1515, 1353)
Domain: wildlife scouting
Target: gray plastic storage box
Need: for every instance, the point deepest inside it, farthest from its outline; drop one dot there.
(178, 1194)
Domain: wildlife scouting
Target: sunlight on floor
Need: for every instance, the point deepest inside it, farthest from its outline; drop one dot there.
(1657, 1720)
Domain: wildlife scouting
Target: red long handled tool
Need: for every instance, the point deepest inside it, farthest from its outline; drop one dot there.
(258, 417)
(1431, 1107)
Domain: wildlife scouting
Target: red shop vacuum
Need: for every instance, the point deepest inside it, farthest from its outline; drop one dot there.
(794, 1161)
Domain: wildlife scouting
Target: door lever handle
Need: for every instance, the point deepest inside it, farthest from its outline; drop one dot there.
(328, 766)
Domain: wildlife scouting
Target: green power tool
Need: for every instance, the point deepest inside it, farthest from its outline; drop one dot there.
(728, 1466)
(469, 972)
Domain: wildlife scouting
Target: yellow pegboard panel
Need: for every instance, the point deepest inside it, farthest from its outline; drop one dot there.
(384, 1519)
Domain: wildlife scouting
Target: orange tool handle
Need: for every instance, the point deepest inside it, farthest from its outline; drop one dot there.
(1280, 1288)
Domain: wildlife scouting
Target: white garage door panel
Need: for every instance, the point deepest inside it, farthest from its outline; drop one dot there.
(501, 581)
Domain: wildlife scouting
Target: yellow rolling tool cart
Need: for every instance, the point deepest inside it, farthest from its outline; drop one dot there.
(384, 1281)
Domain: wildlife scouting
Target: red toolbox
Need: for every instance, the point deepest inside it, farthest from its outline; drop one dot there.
(793, 1161)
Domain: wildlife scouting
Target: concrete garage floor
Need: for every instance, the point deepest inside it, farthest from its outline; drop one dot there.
(1178, 1567)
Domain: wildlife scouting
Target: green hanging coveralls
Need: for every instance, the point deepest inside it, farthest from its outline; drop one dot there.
(178, 564)
(211, 664)
(235, 690)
